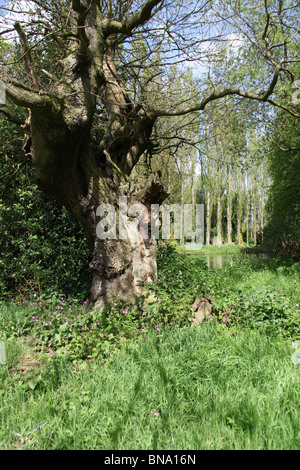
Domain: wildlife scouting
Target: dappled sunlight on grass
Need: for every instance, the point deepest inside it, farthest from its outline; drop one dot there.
(139, 377)
(200, 388)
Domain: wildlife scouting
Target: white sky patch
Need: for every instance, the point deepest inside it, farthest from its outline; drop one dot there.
(234, 43)
(231, 45)
(14, 11)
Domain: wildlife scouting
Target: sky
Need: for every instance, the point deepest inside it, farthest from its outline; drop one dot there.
(7, 19)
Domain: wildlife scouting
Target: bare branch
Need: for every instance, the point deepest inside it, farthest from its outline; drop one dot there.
(82, 11)
(264, 97)
(137, 19)
(11, 116)
(284, 108)
(33, 83)
(23, 96)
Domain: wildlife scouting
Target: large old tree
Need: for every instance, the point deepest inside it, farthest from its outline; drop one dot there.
(93, 88)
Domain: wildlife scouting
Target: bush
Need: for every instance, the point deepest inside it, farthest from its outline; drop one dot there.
(282, 233)
(42, 247)
(269, 310)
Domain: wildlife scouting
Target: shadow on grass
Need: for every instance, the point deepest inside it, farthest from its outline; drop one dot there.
(116, 432)
(167, 388)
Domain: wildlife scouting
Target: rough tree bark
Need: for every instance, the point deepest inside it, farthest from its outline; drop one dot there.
(208, 218)
(229, 210)
(219, 219)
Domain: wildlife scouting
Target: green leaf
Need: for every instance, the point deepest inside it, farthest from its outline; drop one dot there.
(32, 384)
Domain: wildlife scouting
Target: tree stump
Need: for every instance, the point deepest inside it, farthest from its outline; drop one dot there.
(202, 309)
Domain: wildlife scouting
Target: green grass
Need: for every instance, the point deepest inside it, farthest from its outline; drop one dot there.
(210, 390)
(210, 249)
(265, 275)
(252, 274)
(89, 380)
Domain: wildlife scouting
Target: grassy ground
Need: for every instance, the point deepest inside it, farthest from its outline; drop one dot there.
(143, 379)
(210, 249)
(252, 274)
(187, 389)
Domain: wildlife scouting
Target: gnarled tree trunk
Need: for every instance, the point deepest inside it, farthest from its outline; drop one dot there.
(84, 178)
(82, 174)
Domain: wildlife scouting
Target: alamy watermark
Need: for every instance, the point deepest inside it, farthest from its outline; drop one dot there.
(159, 221)
(296, 355)
(2, 93)
(2, 353)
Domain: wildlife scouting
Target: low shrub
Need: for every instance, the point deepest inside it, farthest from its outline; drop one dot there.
(268, 309)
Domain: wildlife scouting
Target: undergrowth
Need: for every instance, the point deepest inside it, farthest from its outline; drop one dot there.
(183, 388)
(257, 294)
(138, 377)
